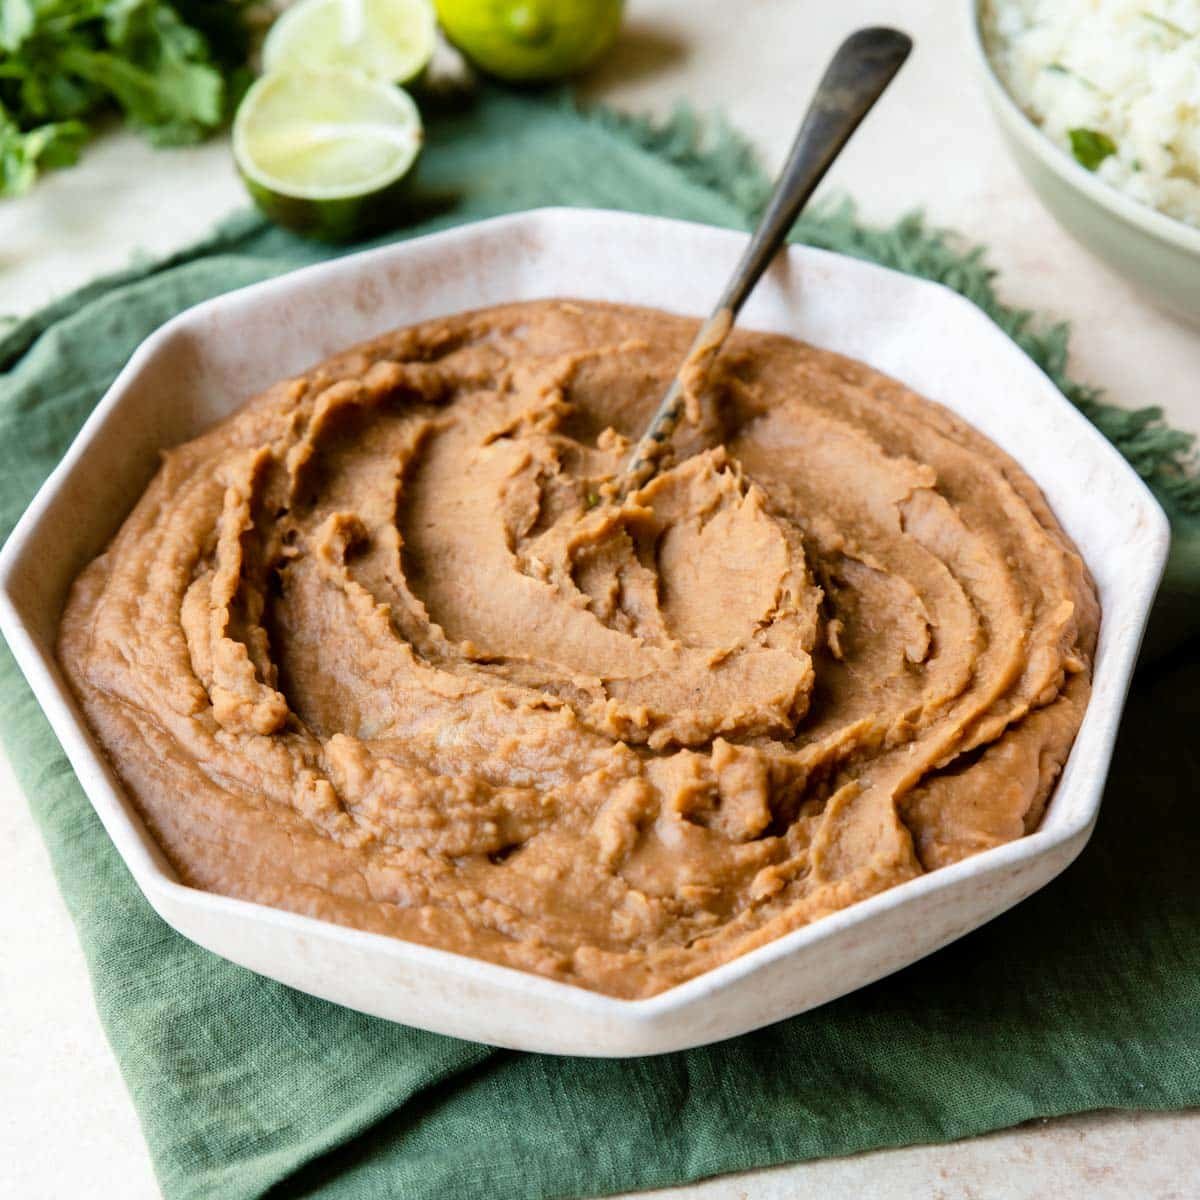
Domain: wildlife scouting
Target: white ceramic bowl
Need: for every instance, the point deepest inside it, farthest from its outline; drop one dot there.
(1158, 254)
(200, 366)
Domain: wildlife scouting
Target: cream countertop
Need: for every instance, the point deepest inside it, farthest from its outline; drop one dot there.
(931, 145)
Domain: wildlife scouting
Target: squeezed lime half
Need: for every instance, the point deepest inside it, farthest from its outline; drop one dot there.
(531, 41)
(326, 152)
(391, 40)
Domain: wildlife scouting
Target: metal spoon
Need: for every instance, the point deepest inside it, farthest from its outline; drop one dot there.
(865, 63)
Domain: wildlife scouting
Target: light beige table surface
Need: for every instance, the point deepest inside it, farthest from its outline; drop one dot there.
(67, 1128)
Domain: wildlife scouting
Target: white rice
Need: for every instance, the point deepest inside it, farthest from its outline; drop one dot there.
(1128, 70)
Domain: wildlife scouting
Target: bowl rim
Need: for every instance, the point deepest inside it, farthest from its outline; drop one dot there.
(133, 842)
(1149, 220)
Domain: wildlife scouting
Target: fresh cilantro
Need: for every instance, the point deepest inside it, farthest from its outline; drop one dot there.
(54, 144)
(1091, 147)
(172, 69)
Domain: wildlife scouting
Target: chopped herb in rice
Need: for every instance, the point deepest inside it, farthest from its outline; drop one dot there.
(1115, 83)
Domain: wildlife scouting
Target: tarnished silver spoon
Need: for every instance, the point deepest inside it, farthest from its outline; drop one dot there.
(864, 64)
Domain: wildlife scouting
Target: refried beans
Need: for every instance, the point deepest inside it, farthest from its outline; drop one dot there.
(379, 649)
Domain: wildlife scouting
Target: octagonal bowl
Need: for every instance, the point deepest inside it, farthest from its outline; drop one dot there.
(200, 366)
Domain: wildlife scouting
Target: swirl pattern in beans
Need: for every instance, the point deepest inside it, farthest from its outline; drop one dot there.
(382, 649)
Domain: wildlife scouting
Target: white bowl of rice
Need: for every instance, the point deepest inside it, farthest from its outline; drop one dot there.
(1099, 101)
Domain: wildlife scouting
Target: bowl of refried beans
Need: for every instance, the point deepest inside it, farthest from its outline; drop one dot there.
(380, 693)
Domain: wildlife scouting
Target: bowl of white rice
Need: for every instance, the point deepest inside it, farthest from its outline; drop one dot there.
(1099, 101)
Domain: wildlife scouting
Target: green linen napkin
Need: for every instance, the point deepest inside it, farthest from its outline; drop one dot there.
(1085, 996)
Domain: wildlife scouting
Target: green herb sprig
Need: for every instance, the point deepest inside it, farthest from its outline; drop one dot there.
(172, 70)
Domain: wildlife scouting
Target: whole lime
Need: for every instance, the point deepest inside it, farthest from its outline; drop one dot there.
(531, 41)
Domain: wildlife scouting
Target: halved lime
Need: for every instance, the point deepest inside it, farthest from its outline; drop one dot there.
(531, 41)
(387, 39)
(326, 152)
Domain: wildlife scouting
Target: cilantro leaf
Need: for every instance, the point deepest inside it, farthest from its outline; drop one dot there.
(173, 101)
(55, 144)
(1091, 147)
(169, 66)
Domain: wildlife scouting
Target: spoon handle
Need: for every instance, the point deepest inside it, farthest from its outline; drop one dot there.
(864, 64)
